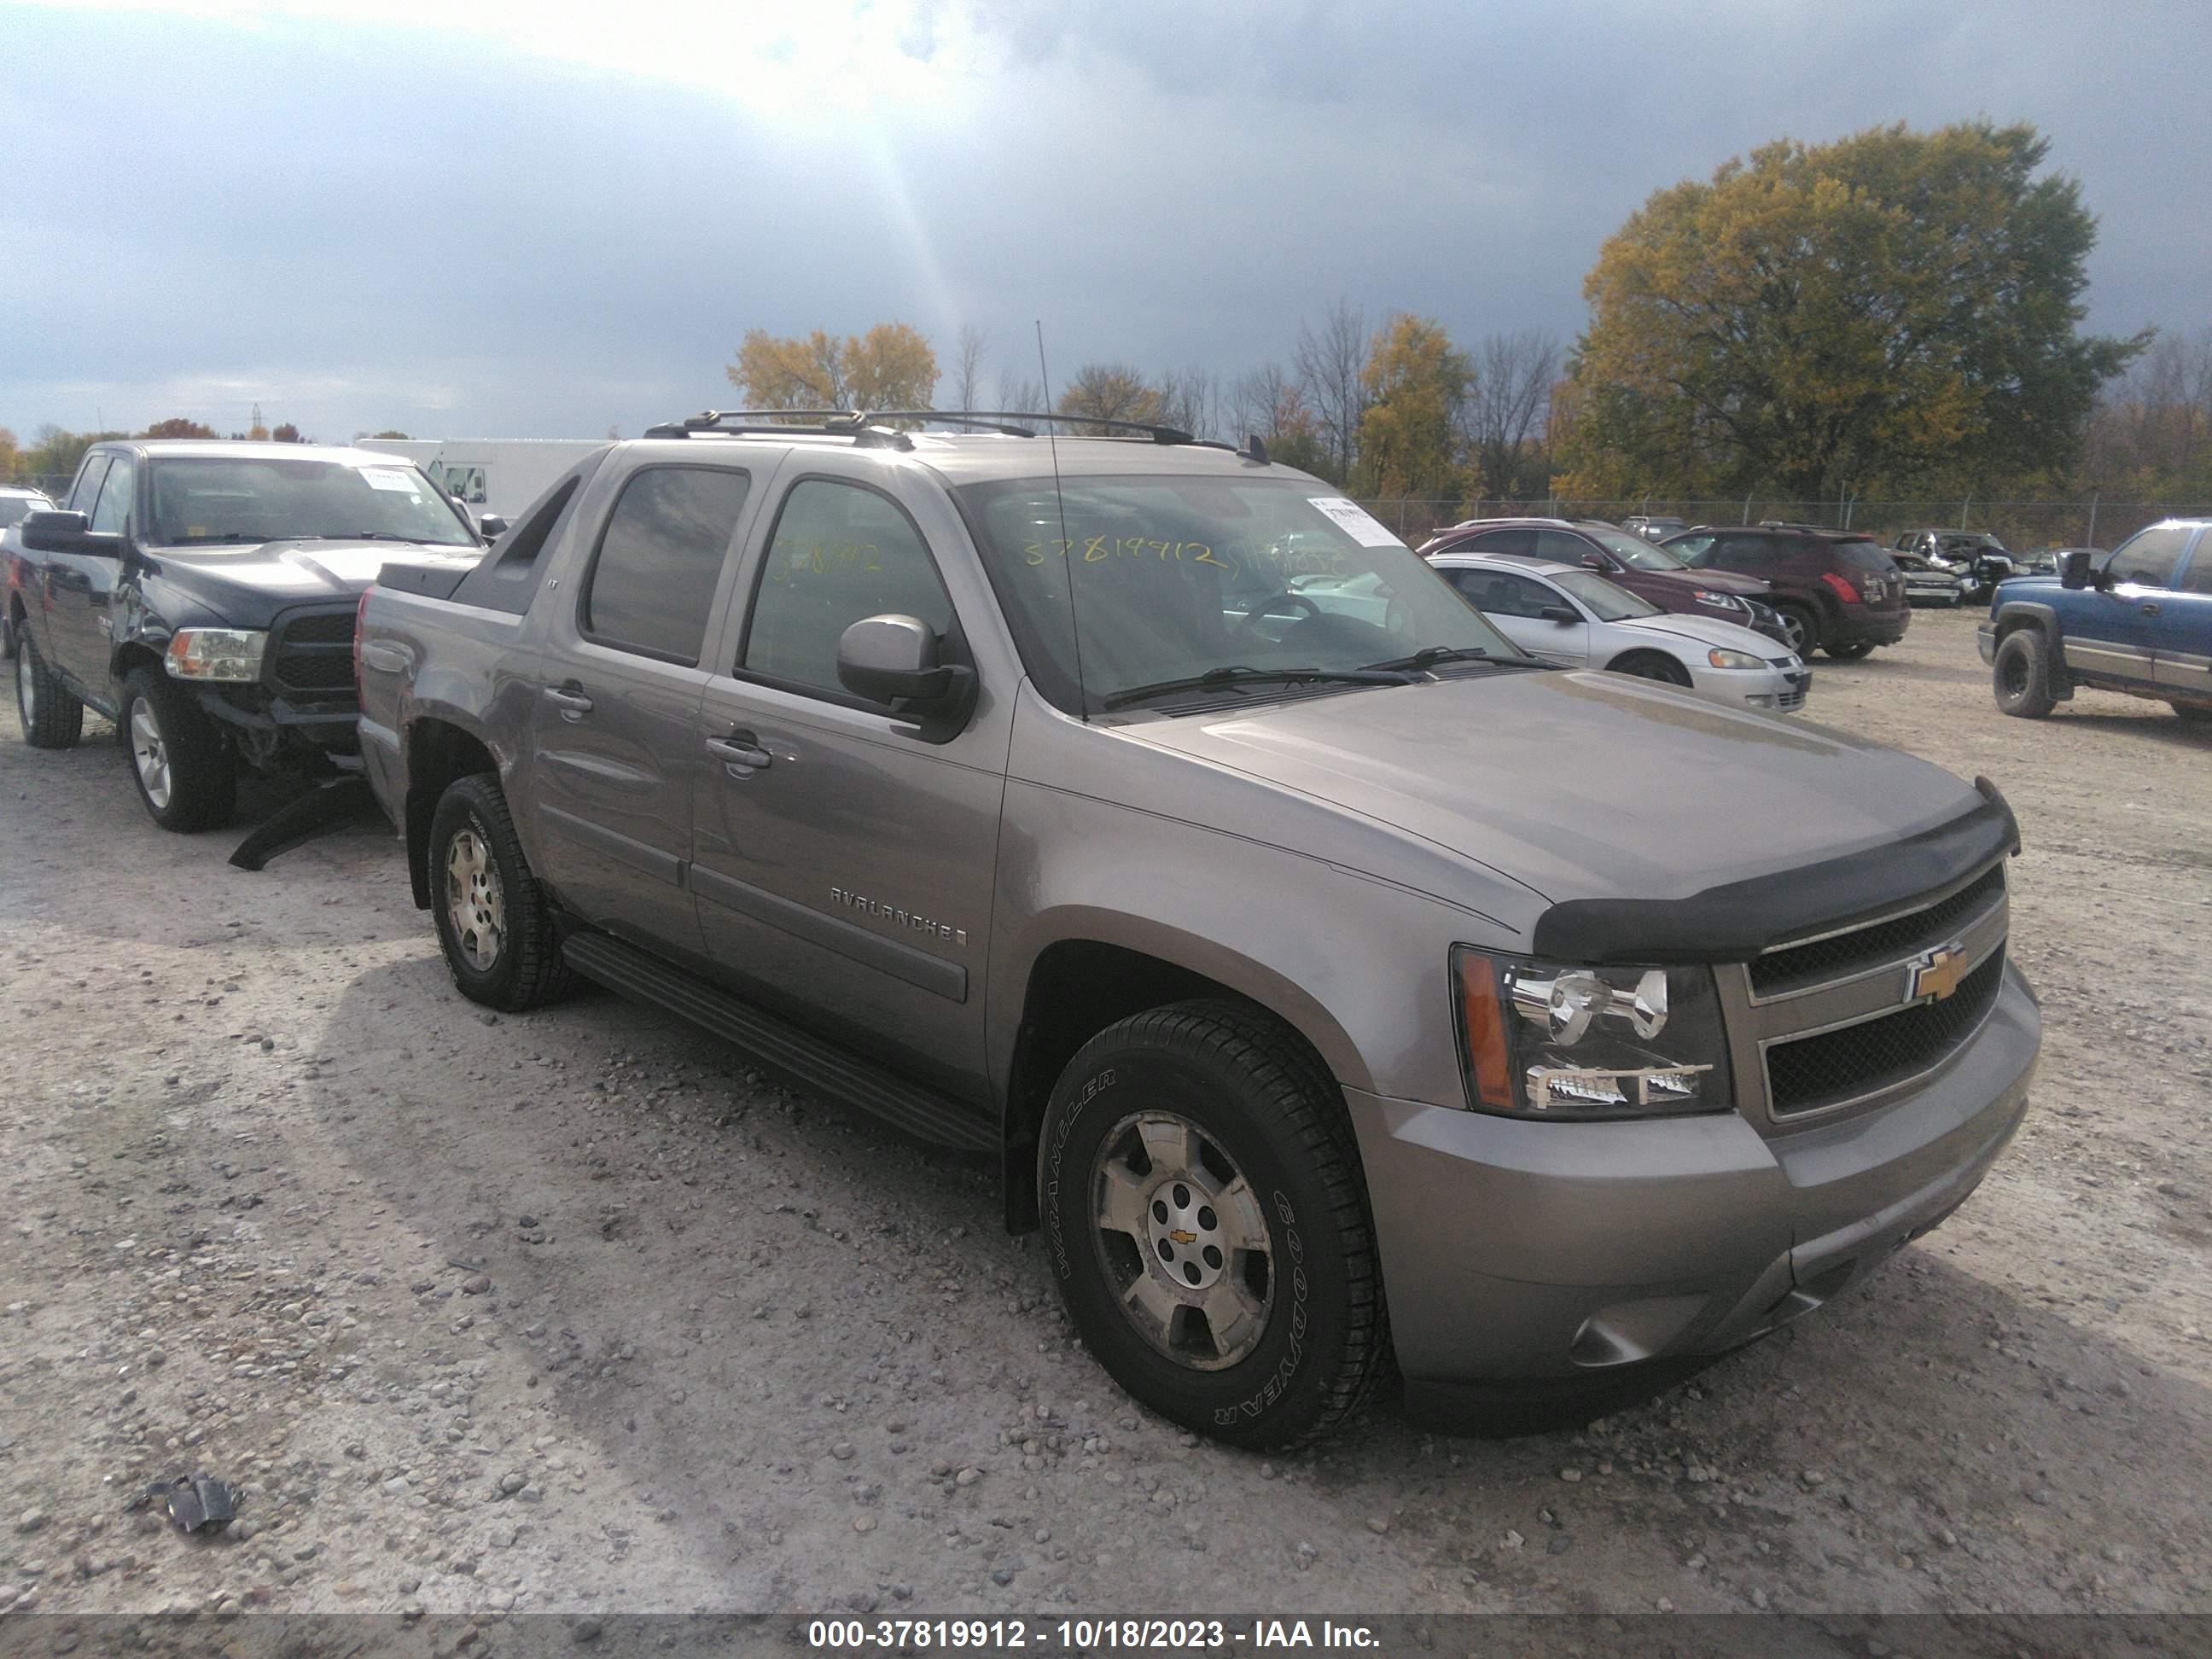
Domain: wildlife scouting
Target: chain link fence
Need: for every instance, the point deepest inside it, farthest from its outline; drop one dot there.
(2025, 526)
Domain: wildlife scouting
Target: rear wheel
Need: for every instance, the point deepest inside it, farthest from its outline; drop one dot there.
(1206, 1218)
(1802, 627)
(2020, 674)
(494, 922)
(2194, 714)
(1652, 666)
(52, 718)
(1850, 652)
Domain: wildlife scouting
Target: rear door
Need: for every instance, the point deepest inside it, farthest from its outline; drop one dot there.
(615, 729)
(2113, 630)
(2181, 633)
(844, 867)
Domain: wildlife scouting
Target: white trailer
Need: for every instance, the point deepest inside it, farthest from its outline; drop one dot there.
(499, 476)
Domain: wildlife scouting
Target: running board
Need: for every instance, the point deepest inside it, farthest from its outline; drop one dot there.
(922, 1112)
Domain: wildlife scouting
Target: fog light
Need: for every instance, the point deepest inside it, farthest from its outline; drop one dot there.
(1760, 701)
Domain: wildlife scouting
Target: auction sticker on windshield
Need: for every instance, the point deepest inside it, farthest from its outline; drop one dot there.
(1355, 520)
(386, 478)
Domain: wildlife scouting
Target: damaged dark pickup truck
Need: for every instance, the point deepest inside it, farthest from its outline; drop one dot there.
(202, 596)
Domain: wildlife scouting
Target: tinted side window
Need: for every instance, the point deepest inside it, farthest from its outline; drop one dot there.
(1743, 553)
(653, 578)
(114, 505)
(1692, 549)
(1501, 541)
(839, 553)
(2149, 558)
(2197, 578)
(1502, 595)
(86, 489)
(1559, 545)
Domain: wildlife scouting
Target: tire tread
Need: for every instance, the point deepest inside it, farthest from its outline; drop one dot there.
(543, 974)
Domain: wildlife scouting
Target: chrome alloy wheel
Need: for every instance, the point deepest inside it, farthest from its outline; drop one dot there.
(1183, 1240)
(27, 686)
(474, 902)
(149, 754)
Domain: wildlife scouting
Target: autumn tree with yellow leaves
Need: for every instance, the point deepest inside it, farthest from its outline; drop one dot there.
(890, 367)
(1841, 316)
(1415, 383)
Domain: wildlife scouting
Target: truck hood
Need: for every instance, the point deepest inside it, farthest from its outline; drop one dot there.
(274, 574)
(1582, 785)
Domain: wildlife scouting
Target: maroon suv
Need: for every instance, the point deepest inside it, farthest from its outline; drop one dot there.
(1629, 562)
(1834, 588)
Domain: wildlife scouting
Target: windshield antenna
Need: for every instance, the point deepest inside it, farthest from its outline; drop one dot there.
(1066, 546)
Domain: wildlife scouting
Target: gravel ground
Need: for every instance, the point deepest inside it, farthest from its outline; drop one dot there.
(574, 1311)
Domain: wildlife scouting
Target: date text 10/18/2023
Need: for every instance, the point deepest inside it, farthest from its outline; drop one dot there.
(1087, 1635)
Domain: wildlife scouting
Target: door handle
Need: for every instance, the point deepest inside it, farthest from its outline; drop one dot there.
(570, 701)
(2150, 610)
(741, 749)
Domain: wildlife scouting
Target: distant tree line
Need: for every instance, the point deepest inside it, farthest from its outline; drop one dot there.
(54, 452)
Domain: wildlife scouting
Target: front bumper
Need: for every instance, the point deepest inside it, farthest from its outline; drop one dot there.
(1520, 1252)
(1770, 689)
(1857, 625)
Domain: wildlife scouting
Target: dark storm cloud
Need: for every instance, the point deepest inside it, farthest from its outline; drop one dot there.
(369, 227)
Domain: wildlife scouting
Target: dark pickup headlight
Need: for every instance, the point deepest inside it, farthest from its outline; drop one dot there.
(1553, 1040)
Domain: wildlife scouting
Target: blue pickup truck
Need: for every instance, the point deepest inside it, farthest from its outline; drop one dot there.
(2136, 620)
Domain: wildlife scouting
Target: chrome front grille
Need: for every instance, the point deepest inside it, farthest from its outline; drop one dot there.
(1849, 1018)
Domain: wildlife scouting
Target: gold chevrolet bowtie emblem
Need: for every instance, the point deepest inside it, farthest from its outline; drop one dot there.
(1937, 974)
(1182, 1237)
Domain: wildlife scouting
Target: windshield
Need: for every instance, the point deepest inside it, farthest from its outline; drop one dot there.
(1602, 599)
(1634, 551)
(243, 500)
(1176, 577)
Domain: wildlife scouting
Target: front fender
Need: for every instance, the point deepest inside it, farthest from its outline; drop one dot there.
(2011, 614)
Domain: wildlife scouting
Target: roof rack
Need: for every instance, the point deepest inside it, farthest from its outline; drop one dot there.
(866, 428)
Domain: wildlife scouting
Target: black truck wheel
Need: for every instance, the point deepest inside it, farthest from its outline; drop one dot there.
(494, 922)
(2020, 674)
(52, 718)
(1206, 1218)
(184, 770)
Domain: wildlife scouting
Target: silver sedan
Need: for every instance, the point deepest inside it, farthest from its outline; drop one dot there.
(1577, 619)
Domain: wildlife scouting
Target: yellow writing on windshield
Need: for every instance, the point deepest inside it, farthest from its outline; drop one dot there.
(1092, 550)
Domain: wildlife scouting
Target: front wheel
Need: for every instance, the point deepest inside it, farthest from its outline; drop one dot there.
(495, 923)
(52, 718)
(2020, 674)
(185, 773)
(1206, 1218)
(1800, 626)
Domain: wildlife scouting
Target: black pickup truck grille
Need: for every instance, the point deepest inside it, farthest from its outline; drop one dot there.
(311, 655)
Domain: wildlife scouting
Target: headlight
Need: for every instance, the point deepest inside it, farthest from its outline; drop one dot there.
(1719, 601)
(1721, 658)
(215, 654)
(1548, 1040)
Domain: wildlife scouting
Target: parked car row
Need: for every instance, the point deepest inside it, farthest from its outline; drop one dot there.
(1341, 988)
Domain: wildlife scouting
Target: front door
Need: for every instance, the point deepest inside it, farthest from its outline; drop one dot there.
(1517, 604)
(615, 729)
(77, 589)
(843, 866)
(2112, 630)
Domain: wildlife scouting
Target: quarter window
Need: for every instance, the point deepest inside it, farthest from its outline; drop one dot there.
(2149, 558)
(841, 553)
(114, 496)
(653, 582)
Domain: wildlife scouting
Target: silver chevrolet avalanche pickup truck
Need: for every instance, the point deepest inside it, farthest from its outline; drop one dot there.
(1342, 990)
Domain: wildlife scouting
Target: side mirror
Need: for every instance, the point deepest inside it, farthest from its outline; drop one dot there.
(893, 659)
(55, 531)
(491, 527)
(1557, 613)
(1595, 562)
(2076, 565)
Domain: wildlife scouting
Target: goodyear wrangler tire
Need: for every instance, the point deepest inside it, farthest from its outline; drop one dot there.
(1206, 1218)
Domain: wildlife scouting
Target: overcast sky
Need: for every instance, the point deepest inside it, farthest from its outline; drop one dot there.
(543, 219)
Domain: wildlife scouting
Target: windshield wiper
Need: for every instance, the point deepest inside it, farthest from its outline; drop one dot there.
(1430, 655)
(1240, 675)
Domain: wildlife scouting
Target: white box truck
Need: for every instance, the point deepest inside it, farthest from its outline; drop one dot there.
(496, 475)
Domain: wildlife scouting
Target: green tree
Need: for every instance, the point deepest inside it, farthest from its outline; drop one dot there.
(1110, 392)
(1842, 317)
(286, 433)
(890, 367)
(54, 453)
(389, 432)
(178, 426)
(1415, 384)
